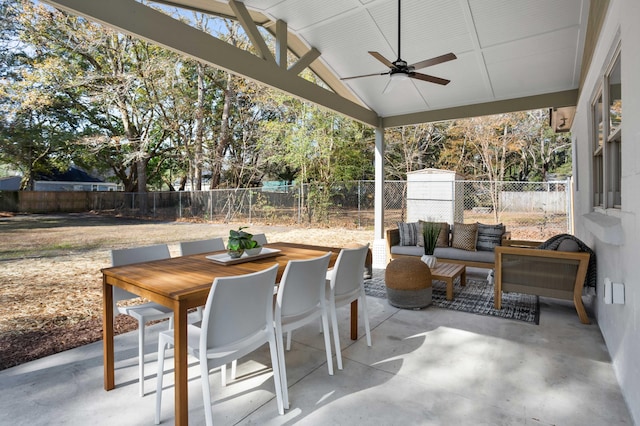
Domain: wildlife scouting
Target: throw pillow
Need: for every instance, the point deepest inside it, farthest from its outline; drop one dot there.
(409, 233)
(465, 236)
(568, 245)
(443, 236)
(489, 236)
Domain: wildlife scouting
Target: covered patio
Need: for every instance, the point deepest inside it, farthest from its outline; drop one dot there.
(512, 56)
(428, 367)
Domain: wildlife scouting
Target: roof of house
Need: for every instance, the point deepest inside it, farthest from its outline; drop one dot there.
(73, 174)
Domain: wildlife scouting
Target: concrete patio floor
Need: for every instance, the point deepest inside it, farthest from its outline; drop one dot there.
(426, 367)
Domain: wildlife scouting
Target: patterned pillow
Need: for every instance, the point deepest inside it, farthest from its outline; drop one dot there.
(489, 236)
(409, 233)
(464, 236)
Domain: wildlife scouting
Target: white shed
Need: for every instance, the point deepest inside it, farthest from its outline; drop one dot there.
(435, 195)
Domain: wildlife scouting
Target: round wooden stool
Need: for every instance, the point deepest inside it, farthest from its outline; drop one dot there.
(408, 281)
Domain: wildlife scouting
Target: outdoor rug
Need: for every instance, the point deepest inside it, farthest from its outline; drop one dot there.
(476, 297)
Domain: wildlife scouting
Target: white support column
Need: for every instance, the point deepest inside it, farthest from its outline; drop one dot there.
(379, 244)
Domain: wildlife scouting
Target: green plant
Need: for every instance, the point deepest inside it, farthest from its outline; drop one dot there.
(430, 232)
(240, 240)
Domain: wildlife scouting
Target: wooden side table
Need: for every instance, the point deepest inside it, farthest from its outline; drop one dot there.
(448, 272)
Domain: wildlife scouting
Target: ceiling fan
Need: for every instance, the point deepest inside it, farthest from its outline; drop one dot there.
(400, 70)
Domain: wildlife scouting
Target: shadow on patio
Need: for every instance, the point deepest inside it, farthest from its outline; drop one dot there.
(431, 366)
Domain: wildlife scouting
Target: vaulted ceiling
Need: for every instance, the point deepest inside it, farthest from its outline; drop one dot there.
(511, 54)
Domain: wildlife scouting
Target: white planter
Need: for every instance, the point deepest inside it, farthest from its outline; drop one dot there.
(430, 260)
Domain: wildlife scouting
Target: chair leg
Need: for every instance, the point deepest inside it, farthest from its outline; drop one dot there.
(365, 314)
(327, 342)
(336, 336)
(223, 372)
(162, 343)
(277, 378)
(289, 340)
(141, 356)
(223, 375)
(234, 368)
(283, 367)
(206, 391)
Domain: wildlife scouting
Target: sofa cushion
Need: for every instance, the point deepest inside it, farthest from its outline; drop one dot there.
(489, 236)
(464, 255)
(443, 236)
(408, 250)
(409, 233)
(464, 236)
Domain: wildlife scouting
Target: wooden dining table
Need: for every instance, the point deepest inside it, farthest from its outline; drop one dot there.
(182, 283)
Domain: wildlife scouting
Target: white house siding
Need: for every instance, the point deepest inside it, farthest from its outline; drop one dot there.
(615, 234)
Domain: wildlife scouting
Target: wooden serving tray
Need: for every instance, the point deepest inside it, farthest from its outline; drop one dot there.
(225, 259)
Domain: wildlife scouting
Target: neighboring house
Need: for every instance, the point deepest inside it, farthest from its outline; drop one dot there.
(11, 183)
(74, 179)
(606, 138)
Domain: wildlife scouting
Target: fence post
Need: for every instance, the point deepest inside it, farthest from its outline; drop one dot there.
(568, 190)
(359, 203)
(250, 193)
(180, 204)
(299, 201)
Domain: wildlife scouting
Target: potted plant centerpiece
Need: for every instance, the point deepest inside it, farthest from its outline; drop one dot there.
(430, 232)
(241, 241)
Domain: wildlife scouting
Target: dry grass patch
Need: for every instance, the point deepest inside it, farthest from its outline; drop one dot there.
(50, 280)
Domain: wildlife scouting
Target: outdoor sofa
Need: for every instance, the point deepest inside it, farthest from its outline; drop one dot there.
(466, 244)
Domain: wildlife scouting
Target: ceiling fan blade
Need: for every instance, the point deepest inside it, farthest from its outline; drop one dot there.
(433, 61)
(430, 78)
(365, 75)
(382, 59)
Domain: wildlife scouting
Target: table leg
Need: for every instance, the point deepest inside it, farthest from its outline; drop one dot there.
(463, 277)
(354, 320)
(107, 335)
(180, 354)
(449, 289)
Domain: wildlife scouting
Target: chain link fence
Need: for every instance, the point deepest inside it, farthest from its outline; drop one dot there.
(530, 210)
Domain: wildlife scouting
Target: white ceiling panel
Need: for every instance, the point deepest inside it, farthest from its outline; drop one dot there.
(501, 21)
(467, 85)
(531, 75)
(300, 14)
(506, 49)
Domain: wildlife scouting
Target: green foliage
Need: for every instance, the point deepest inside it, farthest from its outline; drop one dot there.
(430, 233)
(241, 240)
(76, 92)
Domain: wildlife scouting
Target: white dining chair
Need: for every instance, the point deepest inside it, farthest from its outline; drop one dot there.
(205, 246)
(238, 319)
(345, 283)
(261, 239)
(301, 300)
(201, 246)
(145, 312)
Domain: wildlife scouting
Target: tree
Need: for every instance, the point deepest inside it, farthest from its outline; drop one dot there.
(410, 148)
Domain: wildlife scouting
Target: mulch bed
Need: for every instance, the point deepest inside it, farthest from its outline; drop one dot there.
(18, 348)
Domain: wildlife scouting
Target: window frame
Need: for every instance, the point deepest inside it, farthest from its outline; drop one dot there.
(607, 139)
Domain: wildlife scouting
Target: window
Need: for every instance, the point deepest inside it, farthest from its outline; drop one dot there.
(613, 152)
(607, 139)
(598, 131)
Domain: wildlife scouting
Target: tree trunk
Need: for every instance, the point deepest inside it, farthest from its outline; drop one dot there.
(223, 140)
(199, 129)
